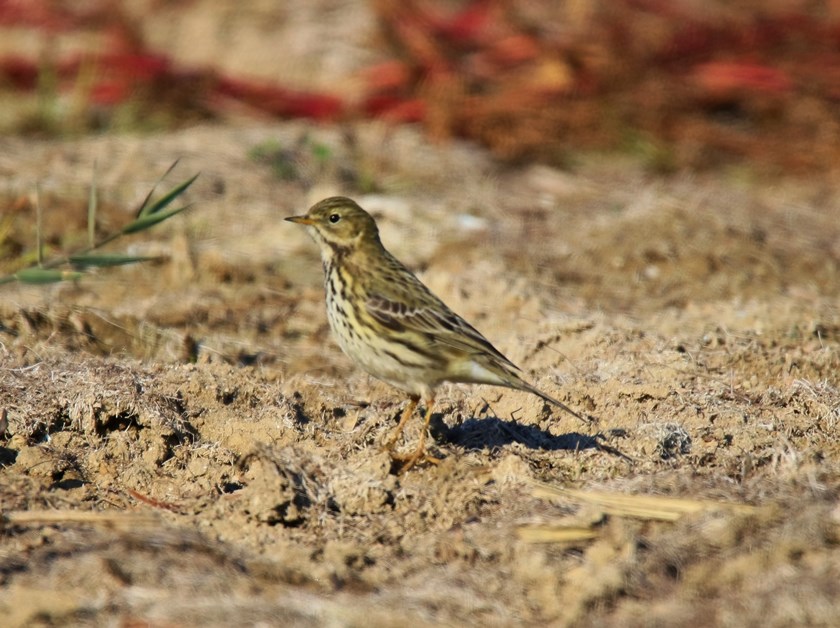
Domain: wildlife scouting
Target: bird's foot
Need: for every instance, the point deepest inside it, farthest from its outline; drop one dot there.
(389, 444)
(409, 460)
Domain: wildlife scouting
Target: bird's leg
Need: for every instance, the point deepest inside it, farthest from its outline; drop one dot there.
(409, 460)
(406, 415)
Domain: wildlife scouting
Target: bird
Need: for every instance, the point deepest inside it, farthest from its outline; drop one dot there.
(392, 326)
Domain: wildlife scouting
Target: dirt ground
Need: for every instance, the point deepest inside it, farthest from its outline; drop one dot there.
(187, 446)
(182, 443)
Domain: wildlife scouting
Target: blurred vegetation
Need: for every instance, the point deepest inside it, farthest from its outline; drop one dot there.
(308, 161)
(33, 267)
(678, 85)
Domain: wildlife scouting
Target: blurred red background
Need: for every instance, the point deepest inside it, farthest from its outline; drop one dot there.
(683, 84)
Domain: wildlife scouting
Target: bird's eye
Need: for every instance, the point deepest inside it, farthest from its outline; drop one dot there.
(334, 218)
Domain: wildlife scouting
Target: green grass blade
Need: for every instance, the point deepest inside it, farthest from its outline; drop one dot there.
(92, 203)
(49, 271)
(45, 275)
(154, 187)
(88, 260)
(149, 220)
(39, 225)
(167, 198)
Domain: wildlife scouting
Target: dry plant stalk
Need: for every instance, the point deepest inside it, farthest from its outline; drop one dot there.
(114, 520)
(648, 507)
(551, 533)
(655, 507)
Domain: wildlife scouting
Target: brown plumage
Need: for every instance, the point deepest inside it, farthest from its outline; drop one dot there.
(391, 324)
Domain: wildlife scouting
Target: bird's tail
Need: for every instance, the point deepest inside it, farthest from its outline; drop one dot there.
(503, 372)
(515, 381)
(556, 402)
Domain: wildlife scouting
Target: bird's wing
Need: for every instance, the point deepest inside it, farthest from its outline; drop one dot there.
(434, 320)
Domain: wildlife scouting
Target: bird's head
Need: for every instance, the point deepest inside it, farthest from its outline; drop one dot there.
(338, 223)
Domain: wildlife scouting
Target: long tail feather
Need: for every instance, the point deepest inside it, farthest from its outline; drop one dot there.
(556, 402)
(513, 380)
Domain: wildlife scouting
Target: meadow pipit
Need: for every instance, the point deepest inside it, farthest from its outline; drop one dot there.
(391, 325)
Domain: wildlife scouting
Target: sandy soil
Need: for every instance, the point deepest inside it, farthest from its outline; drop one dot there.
(186, 445)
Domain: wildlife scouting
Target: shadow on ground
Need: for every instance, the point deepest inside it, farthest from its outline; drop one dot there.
(478, 434)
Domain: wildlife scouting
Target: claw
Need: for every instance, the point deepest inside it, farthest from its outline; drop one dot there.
(419, 454)
(410, 460)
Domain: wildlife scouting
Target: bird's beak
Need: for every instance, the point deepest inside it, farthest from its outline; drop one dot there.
(301, 220)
